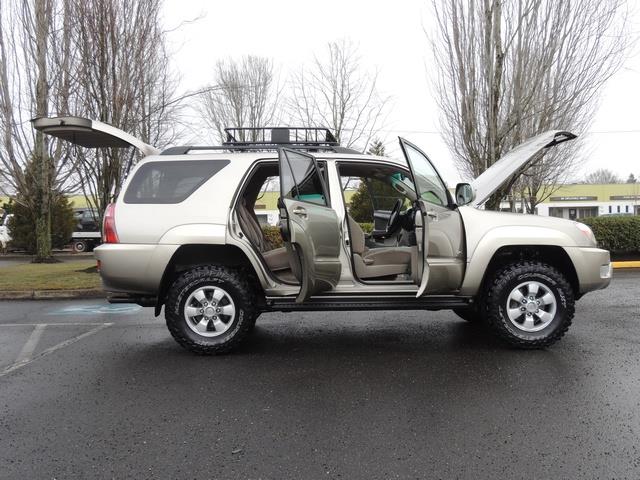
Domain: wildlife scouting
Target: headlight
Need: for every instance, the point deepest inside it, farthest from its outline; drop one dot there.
(587, 232)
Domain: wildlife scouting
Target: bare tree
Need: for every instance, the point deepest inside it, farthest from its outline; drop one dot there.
(509, 69)
(33, 68)
(122, 77)
(338, 93)
(244, 94)
(602, 176)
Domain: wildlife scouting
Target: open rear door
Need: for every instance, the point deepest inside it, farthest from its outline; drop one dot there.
(90, 133)
(309, 225)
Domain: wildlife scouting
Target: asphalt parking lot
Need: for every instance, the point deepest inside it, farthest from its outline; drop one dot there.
(89, 390)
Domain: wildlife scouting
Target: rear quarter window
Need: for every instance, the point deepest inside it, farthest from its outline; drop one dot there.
(170, 182)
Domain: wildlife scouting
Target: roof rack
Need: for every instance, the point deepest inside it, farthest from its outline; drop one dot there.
(270, 138)
(280, 136)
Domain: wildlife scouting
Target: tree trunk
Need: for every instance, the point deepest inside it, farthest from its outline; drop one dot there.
(41, 153)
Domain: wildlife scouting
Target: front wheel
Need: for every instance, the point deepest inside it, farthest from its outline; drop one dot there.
(210, 310)
(529, 305)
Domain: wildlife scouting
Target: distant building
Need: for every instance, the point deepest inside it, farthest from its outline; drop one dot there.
(588, 200)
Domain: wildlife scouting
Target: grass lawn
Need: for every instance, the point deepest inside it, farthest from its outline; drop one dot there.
(50, 276)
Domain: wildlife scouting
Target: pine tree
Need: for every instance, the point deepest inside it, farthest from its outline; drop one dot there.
(632, 178)
(377, 148)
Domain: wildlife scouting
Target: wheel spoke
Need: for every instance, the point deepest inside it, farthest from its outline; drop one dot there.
(532, 288)
(516, 296)
(217, 295)
(200, 296)
(219, 325)
(528, 321)
(202, 325)
(548, 298)
(544, 316)
(514, 313)
(192, 311)
(228, 310)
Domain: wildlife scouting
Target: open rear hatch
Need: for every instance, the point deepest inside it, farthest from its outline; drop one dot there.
(514, 162)
(90, 133)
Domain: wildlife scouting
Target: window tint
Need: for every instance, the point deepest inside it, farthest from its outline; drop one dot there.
(300, 179)
(170, 182)
(429, 186)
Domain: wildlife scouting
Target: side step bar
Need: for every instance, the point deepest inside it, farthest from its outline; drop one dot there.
(143, 301)
(335, 303)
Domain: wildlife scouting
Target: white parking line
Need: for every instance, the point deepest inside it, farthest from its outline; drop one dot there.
(53, 324)
(15, 366)
(25, 354)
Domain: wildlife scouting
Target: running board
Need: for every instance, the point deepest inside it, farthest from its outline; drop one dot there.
(334, 303)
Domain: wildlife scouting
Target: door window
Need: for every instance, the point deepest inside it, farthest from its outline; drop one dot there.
(300, 179)
(429, 186)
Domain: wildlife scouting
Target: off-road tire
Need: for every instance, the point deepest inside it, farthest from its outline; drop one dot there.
(505, 280)
(232, 282)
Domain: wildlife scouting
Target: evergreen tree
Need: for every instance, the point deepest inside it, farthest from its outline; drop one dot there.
(632, 178)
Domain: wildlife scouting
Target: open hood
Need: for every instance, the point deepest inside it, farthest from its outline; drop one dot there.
(514, 162)
(90, 133)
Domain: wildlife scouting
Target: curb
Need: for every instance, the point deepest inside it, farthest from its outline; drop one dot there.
(51, 294)
(628, 264)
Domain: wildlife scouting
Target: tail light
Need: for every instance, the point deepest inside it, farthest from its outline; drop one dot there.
(109, 234)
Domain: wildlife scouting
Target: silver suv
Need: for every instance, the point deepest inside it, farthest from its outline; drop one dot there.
(184, 233)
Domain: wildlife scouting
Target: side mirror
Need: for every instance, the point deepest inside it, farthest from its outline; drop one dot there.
(465, 194)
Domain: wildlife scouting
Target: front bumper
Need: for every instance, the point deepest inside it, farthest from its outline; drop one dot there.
(593, 267)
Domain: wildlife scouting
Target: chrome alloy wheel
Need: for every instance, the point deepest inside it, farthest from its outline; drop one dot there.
(531, 306)
(209, 311)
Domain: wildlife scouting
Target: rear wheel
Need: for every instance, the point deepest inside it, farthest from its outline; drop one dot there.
(210, 310)
(529, 304)
(79, 246)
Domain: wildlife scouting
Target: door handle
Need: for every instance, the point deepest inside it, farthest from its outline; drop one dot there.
(432, 214)
(301, 212)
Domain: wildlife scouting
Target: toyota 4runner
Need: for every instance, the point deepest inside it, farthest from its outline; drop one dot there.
(184, 234)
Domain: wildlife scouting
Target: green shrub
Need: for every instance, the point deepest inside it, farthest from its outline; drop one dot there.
(272, 234)
(367, 227)
(22, 225)
(619, 234)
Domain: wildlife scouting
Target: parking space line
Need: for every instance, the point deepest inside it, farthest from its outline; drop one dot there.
(26, 352)
(66, 343)
(53, 324)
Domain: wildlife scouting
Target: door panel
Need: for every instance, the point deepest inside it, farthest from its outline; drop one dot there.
(441, 226)
(311, 226)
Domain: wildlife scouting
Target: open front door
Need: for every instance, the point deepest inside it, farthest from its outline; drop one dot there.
(429, 189)
(308, 224)
(90, 133)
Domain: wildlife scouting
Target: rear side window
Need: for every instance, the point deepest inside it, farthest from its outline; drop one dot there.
(170, 182)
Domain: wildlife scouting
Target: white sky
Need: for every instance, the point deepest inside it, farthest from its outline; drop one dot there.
(391, 36)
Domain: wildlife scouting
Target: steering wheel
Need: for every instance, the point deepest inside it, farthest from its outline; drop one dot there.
(394, 217)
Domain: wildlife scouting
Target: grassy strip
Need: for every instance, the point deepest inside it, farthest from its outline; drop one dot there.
(52, 276)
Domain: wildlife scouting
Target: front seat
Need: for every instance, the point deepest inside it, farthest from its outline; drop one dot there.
(379, 262)
(276, 259)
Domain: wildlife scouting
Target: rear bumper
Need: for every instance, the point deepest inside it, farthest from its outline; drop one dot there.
(133, 268)
(593, 267)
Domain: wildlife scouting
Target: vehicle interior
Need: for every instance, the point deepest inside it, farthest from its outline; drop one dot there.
(278, 259)
(380, 222)
(383, 203)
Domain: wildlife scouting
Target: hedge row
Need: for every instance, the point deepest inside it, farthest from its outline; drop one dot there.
(619, 234)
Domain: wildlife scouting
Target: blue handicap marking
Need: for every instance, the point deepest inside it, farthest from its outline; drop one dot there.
(99, 308)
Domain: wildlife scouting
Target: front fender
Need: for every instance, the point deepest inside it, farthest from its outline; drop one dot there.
(480, 254)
